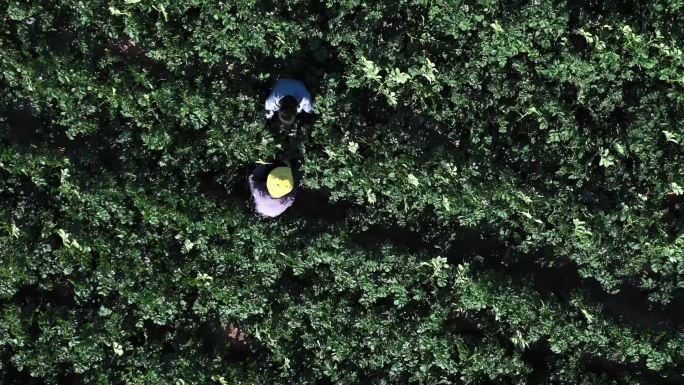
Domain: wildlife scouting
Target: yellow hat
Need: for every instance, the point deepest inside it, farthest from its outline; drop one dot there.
(280, 182)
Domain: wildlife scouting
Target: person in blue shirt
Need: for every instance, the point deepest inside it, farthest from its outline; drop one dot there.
(288, 98)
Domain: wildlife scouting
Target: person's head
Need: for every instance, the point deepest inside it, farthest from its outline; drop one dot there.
(288, 109)
(280, 182)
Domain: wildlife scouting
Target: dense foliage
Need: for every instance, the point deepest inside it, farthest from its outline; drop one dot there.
(493, 193)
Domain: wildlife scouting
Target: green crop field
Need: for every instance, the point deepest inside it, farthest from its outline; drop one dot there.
(490, 192)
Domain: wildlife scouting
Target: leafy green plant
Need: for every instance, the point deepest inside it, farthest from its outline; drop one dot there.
(127, 242)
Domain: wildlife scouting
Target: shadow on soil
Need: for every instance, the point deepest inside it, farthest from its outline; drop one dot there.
(24, 127)
(315, 204)
(631, 305)
(226, 342)
(375, 236)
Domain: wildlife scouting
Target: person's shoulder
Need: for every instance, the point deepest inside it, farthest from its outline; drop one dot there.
(288, 80)
(292, 195)
(291, 83)
(257, 188)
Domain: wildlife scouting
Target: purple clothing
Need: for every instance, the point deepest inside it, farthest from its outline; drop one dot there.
(266, 205)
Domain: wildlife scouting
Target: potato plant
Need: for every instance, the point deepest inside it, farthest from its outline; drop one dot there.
(492, 193)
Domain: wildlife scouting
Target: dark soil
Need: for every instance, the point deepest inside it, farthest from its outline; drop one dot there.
(313, 204)
(24, 127)
(226, 341)
(631, 305)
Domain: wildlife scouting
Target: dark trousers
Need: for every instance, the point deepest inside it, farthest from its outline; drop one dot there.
(293, 135)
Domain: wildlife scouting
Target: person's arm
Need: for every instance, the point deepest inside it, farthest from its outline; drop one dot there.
(252, 184)
(257, 187)
(259, 174)
(271, 105)
(305, 105)
(303, 96)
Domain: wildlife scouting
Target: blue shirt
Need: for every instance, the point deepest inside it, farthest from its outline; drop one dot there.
(285, 87)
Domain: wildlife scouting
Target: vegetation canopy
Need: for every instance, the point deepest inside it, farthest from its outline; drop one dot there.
(491, 192)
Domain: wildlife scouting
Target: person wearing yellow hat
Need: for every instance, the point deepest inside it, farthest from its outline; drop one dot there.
(273, 189)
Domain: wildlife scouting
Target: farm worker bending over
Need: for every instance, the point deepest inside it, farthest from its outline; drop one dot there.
(288, 98)
(273, 191)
